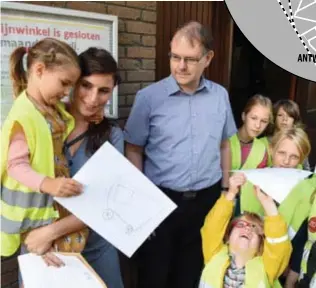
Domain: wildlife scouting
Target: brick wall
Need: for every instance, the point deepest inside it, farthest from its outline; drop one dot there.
(137, 55)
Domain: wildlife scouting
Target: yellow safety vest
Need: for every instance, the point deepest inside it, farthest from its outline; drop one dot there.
(22, 208)
(311, 239)
(255, 157)
(266, 143)
(214, 272)
(295, 208)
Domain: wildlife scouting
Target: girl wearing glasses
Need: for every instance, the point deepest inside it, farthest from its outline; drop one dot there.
(246, 252)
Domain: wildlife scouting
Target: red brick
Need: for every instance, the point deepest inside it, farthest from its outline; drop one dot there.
(124, 112)
(87, 6)
(128, 88)
(121, 52)
(140, 27)
(146, 84)
(60, 4)
(149, 16)
(130, 100)
(129, 64)
(129, 39)
(121, 3)
(121, 100)
(123, 75)
(149, 40)
(148, 64)
(141, 52)
(135, 76)
(124, 12)
(121, 25)
(150, 5)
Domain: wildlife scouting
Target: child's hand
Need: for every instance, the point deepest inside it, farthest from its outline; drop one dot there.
(39, 240)
(61, 187)
(267, 202)
(52, 260)
(235, 182)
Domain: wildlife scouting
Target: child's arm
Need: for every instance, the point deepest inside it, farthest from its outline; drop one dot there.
(40, 240)
(19, 168)
(214, 228)
(277, 246)
(18, 165)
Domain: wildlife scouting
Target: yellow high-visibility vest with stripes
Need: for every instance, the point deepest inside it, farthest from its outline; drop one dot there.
(255, 157)
(23, 209)
(214, 271)
(311, 238)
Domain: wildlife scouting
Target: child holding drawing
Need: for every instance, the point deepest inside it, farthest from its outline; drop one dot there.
(99, 76)
(246, 252)
(33, 167)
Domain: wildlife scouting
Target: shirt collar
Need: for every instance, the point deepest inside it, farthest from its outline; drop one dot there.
(173, 86)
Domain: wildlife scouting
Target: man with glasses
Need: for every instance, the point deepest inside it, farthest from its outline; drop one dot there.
(174, 135)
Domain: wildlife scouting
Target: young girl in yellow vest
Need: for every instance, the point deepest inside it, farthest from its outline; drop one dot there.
(289, 148)
(244, 150)
(308, 265)
(33, 167)
(286, 116)
(247, 251)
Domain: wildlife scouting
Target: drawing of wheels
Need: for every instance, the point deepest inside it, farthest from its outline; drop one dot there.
(129, 229)
(108, 214)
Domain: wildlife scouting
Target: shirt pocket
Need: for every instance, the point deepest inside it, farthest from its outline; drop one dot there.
(216, 125)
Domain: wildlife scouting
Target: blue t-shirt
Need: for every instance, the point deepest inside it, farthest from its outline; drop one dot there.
(95, 242)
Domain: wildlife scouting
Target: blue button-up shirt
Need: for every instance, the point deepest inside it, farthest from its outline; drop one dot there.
(181, 133)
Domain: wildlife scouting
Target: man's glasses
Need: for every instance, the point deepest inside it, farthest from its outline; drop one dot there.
(187, 60)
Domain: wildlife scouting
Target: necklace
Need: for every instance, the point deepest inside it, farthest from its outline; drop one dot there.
(241, 140)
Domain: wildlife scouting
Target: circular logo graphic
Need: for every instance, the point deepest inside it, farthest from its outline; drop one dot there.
(312, 225)
(284, 31)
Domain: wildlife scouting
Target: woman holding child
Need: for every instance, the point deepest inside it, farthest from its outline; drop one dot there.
(99, 76)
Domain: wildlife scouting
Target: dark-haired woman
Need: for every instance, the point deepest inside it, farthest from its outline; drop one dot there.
(99, 76)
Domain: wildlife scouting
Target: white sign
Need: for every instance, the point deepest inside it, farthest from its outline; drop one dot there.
(76, 273)
(23, 25)
(119, 202)
(276, 182)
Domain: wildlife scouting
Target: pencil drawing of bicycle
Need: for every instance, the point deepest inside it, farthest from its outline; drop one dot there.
(134, 208)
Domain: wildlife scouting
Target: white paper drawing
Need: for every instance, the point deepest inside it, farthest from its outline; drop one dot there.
(122, 199)
(276, 182)
(118, 202)
(36, 274)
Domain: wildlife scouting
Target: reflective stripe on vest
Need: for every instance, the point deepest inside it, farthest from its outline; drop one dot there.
(21, 208)
(248, 200)
(311, 237)
(14, 227)
(25, 200)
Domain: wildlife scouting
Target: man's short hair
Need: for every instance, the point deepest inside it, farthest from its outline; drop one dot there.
(196, 32)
